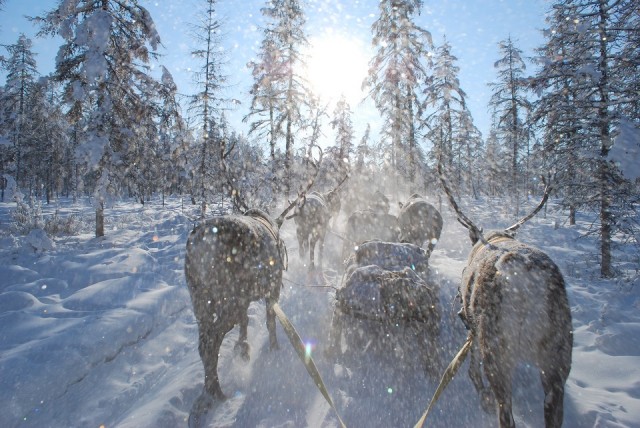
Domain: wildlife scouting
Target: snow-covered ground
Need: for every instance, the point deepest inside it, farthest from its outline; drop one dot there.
(100, 332)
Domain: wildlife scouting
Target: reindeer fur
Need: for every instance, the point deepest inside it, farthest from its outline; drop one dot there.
(231, 261)
(368, 225)
(515, 303)
(419, 221)
(312, 218)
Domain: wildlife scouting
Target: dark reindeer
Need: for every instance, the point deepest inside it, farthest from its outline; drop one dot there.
(312, 215)
(231, 261)
(369, 223)
(419, 222)
(515, 305)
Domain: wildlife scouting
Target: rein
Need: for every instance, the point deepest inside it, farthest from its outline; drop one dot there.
(448, 374)
(306, 358)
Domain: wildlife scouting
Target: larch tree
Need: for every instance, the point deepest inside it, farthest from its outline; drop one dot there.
(173, 134)
(558, 110)
(22, 74)
(104, 64)
(317, 112)
(46, 137)
(342, 124)
(446, 115)
(208, 103)
(266, 99)
(509, 105)
(397, 73)
(495, 173)
(363, 152)
(280, 95)
(588, 46)
(468, 149)
(627, 69)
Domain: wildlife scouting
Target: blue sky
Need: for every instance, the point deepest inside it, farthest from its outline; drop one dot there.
(472, 27)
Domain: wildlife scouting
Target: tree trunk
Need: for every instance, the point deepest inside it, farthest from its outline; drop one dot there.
(572, 215)
(100, 220)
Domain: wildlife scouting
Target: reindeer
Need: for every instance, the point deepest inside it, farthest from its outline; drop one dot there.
(312, 216)
(231, 261)
(370, 224)
(419, 221)
(515, 305)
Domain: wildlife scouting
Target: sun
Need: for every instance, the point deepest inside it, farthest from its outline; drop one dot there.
(337, 66)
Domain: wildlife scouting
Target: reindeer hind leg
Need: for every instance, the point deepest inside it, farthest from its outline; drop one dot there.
(499, 373)
(209, 347)
(271, 300)
(475, 374)
(242, 346)
(553, 386)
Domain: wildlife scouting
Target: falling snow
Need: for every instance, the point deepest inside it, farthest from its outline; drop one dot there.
(101, 332)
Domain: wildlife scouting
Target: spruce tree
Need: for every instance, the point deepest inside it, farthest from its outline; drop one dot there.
(103, 64)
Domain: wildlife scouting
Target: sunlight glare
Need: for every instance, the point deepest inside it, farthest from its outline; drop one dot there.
(337, 65)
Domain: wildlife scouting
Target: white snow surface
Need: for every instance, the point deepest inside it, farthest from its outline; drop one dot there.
(100, 332)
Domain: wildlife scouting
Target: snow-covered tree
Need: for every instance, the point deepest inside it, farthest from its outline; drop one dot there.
(495, 175)
(280, 100)
(397, 74)
(588, 90)
(628, 22)
(447, 119)
(362, 152)
(509, 104)
(208, 103)
(559, 111)
(266, 97)
(343, 126)
(172, 135)
(47, 156)
(103, 63)
(468, 150)
(22, 74)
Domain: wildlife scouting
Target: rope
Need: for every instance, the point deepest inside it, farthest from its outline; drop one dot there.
(295, 340)
(342, 237)
(297, 284)
(448, 374)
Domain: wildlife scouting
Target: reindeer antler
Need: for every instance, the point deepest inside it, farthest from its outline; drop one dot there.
(475, 232)
(238, 201)
(545, 196)
(302, 193)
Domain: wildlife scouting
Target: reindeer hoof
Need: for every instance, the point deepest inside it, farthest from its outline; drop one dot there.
(201, 407)
(242, 349)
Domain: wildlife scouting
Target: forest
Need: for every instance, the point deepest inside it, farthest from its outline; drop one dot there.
(102, 125)
(107, 165)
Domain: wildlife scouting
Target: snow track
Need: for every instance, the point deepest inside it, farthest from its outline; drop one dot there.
(101, 332)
